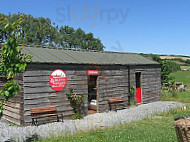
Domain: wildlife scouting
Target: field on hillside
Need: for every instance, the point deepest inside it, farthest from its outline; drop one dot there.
(179, 63)
(173, 57)
(182, 76)
(185, 67)
(182, 64)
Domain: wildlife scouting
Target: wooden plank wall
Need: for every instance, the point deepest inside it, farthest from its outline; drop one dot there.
(151, 82)
(38, 93)
(112, 83)
(13, 109)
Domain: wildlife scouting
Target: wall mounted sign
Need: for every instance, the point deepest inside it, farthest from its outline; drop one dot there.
(93, 72)
(58, 80)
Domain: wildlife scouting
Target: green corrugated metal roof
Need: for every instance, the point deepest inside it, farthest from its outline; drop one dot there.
(59, 55)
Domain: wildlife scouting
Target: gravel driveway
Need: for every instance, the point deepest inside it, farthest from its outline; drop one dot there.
(90, 122)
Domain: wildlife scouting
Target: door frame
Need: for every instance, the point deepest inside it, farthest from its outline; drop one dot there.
(140, 81)
(96, 90)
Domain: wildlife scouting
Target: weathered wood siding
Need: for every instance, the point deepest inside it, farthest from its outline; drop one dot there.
(112, 82)
(38, 93)
(13, 109)
(151, 82)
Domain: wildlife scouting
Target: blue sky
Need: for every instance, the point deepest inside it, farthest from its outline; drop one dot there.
(141, 26)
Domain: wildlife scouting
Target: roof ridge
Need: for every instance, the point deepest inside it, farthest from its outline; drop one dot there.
(74, 49)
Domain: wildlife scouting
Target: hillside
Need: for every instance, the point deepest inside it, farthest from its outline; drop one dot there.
(183, 61)
(174, 57)
(182, 76)
(180, 60)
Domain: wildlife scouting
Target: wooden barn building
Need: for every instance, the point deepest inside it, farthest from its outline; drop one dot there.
(98, 75)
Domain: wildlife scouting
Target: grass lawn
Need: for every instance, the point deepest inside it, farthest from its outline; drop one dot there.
(158, 128)
(182, 76)
(180, 97)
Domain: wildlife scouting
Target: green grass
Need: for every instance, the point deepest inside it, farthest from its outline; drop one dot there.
(182, 76)
(180, 96)
(158, 128)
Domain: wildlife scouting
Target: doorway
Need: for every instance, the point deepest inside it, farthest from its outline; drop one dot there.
(138, 87)
(92, 94)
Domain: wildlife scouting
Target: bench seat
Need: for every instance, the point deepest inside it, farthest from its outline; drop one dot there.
(42, 112)
(116, 103)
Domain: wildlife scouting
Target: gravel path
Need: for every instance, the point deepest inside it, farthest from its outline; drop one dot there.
(90, 122)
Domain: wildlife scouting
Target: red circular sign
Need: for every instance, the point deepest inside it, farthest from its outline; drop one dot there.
(58, 80)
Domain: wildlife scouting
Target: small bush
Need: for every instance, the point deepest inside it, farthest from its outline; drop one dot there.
(76, 102)
(132, 99)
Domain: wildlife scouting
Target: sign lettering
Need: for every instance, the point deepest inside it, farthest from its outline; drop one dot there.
(93, 72)
(58, 80)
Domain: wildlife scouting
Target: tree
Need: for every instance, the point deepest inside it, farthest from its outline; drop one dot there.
(40, 31)
(12, 61)
(187, 61)
(156, 58)
(166, 68)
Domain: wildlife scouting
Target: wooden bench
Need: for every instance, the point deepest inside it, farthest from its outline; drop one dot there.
(92, 109)
(115, 103)
(42, 112)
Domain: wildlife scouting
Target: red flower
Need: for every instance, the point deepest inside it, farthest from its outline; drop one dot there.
(80, 108)
(71, 86)
(75, 99)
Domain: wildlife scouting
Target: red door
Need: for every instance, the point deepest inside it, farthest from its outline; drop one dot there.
(138, 87)
(138, 95)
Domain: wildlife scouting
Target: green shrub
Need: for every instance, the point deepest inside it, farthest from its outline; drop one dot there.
(132, 99)
(76, 102)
